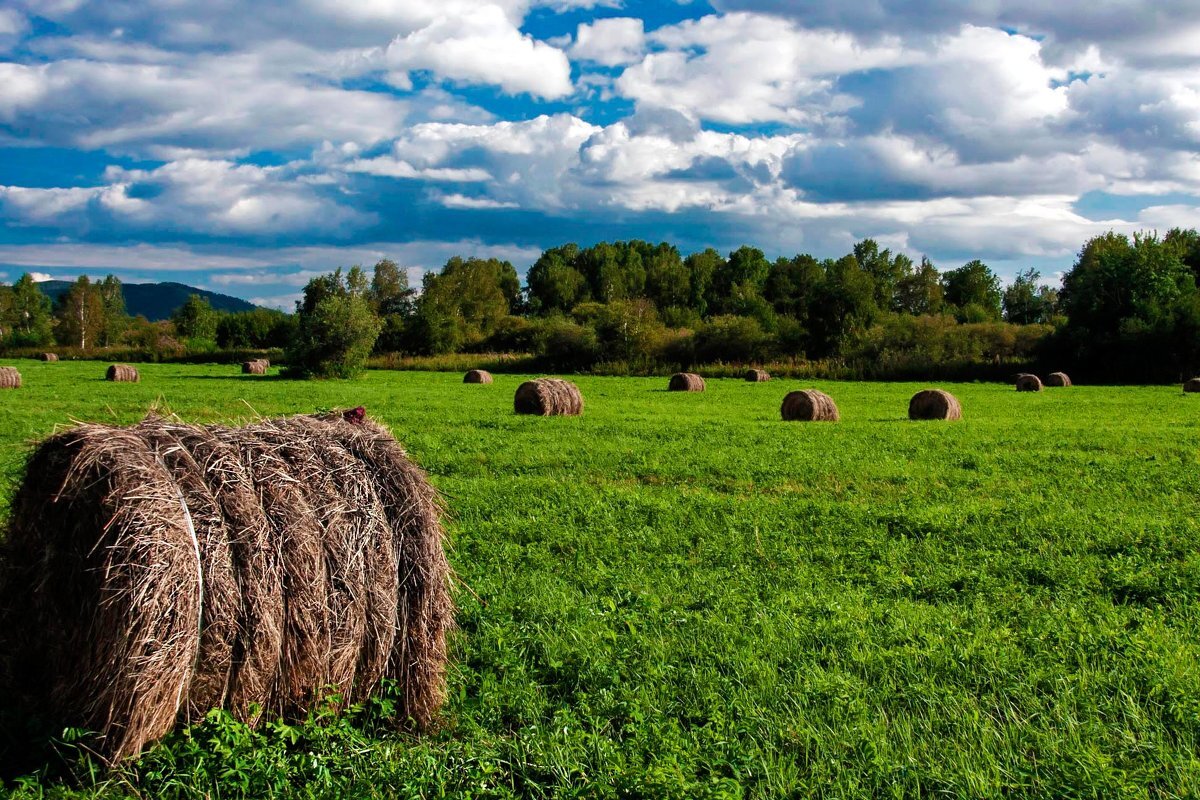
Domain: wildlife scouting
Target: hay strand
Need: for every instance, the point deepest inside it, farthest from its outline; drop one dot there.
(934, 404)
(685, 382)
(809, 405)
(1058, 379)
(477, 376)
(122, 373)
(10, 378)
(548, 397)
(1028, 383)
(757, 375)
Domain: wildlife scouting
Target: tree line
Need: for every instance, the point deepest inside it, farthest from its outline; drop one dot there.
(1128, 309)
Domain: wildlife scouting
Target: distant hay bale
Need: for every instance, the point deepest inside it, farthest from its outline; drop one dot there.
(48, 357)
(548, 397)
(255, 367)
(757, 375)
(1028, 383)
(122, 373)
(1192, 385)
(1058, 379)
(934, 404)
(150, 574)
(266, 362)
(10, 378)
(477, 376)
(809, 405)
(686, 382)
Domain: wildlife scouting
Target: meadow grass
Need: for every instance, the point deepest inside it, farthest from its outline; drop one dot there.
(679, 595)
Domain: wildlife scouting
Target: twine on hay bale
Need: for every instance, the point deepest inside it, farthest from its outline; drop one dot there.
(48, 357)
(10, 378)
(757, 375)
(1058, 379)
(548, 397)
(1028, 383)
(122, 373)
(809, 405)
(934, 404)
(256, 367)
(153, 573)
(477, 376)
(686, 382)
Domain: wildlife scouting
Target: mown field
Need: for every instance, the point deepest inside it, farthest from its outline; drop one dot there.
(681, 596)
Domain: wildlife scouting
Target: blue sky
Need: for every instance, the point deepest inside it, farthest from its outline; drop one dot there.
(246, 147)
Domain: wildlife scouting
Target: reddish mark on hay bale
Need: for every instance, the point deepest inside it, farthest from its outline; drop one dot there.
(355, 416)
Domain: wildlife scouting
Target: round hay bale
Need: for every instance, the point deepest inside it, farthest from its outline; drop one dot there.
(1192, 385)
(254, 368)
(150, 574)
(1028, 383)
(934, 404)
(477, 376)
(809, 405)
(10, 378)
(757, 375)
(48, 357)
(122, 373)
(1058, 379)
(686, 382)
(548, 397)
(266, 362)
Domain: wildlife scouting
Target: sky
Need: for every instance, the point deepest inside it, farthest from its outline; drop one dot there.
(246, 147)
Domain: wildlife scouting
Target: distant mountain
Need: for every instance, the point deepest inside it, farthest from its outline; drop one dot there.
(157, 301)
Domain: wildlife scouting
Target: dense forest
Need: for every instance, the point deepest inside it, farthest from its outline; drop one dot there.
(1128, 309)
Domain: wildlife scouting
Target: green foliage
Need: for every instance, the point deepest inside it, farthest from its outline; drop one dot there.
(27, 319)
(196, 320)
(79, 315)
(731, 339)
(336, 329)
(972, 290)
(682, 596)
(261, 328)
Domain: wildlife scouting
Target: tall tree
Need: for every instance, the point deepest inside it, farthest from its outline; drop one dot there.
(80, 314)
(116, 321)
(196, 319)
(555, 282)
(920, 291)
(32, 322)
(1026, 301)
(336, 327)
(390, 293)
(974, 290)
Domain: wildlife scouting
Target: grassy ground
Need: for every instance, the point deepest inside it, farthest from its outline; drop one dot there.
(681, 596)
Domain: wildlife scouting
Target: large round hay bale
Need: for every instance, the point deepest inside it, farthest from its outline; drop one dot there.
(934, 404)
(548, 397)
(254, 368)
(685, 382)
(757, 375)
(809, 405)
(1192, 385)
(1028, 383)
(10, 378)
(122, 373)
(48, 357)
(477, 376)
(1058, 379)
(151, 574)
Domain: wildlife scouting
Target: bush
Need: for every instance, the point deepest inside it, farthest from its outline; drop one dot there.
(337, 329)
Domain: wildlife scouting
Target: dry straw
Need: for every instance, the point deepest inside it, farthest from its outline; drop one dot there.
(477, 376)
(1058, 379)
(548, 397)
(122, 373)
(1028, 383)
(934, 404)
(48, 357)
(10, 378)
(1192, 385)
(757, 375)
(809, 405)
(256, 367)
(153, 573)
(686, 382)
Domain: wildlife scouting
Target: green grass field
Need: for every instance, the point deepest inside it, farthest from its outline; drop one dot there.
(682, 596)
